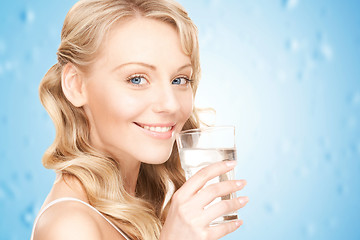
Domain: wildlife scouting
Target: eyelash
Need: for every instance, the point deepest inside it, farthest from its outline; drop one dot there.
(136, 76)
(188, 80)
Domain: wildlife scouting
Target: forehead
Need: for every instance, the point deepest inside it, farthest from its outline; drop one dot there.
(145, 40)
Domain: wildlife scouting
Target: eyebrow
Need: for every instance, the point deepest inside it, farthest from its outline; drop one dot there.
(152, 67)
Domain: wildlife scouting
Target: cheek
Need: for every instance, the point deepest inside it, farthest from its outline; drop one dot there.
(109, 107)
(187, 104)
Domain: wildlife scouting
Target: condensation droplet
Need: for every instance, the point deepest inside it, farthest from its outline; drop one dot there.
(290, 4)
(27, 16)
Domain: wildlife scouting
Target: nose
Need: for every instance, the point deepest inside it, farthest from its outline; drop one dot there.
(166, 100)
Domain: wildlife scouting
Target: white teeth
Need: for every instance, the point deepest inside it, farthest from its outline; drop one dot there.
(157, 129)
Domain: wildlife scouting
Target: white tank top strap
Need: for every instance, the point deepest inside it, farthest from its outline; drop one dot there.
(64, 199)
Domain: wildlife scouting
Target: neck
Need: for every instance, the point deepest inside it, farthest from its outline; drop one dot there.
(130, 172)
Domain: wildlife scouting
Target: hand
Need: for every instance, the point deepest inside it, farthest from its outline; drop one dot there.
(187, 218)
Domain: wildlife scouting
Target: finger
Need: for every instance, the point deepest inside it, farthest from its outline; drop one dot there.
(197, 181)
(223, 207)
(206, 195)
(220, 230)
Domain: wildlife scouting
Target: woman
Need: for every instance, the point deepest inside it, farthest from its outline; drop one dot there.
(123, 86)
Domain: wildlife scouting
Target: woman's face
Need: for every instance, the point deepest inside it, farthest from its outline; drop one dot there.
(138, 92)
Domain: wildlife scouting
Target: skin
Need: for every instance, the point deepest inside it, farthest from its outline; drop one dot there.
(148, 53)
(138, 82)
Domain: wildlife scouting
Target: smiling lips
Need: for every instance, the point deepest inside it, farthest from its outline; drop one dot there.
(161, 131)
(157, 129)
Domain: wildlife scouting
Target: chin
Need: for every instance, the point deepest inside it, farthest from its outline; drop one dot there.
(156, 157)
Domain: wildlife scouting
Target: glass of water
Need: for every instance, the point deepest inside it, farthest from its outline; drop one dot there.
(199, 148)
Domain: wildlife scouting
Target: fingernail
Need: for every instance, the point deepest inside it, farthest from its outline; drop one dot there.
(239, 223)
(231, 163)
(239, 183)
(243, 200)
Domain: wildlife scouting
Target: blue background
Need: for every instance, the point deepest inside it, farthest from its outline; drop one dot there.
(285, 72)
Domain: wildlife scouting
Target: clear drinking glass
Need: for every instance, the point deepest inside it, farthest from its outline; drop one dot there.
(199, 148)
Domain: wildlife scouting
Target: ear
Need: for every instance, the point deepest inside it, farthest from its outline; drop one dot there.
(73, 85)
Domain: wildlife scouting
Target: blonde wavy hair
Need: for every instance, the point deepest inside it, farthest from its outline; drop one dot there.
(85, 28)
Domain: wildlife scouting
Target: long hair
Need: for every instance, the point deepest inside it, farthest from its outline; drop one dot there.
(85, 27)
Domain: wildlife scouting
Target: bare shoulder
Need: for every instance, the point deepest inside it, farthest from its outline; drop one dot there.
(68, 220)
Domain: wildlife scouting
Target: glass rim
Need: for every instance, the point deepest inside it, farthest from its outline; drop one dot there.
(205, 129)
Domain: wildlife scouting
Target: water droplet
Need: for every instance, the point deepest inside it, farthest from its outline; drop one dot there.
(282, 76)
(333, 222)
(324, 52)
(286, 146)
(292, 45)
(2, 47)
(15, 177)
(8, 66)
(26, 141)
(341, 189)
(328, 157)
(6, 191)
(323, 142)
(29, 214)
(28, 176)
(3, 120)
(215, 3)
(271, 207)
(310, 229)
(290, 4)
(351, 122)
(356, 99)
(302, 171)
(300, 75)
(2, 193)
(27, 16)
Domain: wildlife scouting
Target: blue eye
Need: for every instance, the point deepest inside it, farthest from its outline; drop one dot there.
(180, 81)
(138, 80)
